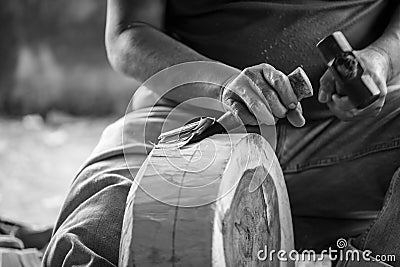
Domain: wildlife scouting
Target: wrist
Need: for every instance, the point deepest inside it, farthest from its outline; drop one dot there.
(385, 61)
(389, 46)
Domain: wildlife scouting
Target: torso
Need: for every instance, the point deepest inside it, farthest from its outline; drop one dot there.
(282, 33)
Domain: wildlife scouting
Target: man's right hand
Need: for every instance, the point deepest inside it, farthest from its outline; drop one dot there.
(261, 95)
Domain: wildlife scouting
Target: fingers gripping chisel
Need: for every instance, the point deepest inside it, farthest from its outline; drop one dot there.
(201, 128)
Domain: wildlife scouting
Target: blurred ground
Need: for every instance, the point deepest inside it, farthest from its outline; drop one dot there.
(38, 161)
(53, 60)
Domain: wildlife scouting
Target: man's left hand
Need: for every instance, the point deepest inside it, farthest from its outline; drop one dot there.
(377, 66)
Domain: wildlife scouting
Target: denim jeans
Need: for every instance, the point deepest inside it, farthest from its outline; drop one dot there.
(337, 175)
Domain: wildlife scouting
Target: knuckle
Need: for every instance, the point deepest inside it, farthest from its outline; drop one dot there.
(255, 108)
(281, 76)
(270, 96)
(246, 70)
(249, 70)
(279, 80)
(267, 66)
(250, 73)
(259, 66)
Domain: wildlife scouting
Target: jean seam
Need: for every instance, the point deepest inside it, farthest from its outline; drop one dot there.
(328, 161)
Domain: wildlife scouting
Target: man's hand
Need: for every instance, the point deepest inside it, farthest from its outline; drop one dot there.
(377, 65)
(262, 94)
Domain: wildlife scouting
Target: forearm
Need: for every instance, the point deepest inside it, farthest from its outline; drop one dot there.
(389, 44)
(140, 51)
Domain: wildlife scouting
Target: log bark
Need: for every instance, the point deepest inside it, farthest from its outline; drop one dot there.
(214, 203)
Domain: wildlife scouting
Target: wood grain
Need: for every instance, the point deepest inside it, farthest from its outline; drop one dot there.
(194, 207)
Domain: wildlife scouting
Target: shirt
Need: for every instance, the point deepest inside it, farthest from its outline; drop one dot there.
(283, 33)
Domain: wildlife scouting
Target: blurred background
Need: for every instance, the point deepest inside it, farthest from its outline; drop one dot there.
(57, 94)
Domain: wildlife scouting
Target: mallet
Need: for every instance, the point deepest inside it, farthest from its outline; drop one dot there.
(348, 70)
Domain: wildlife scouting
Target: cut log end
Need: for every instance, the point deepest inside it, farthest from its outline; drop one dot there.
(252, 224)
(232, 224)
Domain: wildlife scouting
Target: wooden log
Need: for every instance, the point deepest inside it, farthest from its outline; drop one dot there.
(214, 203)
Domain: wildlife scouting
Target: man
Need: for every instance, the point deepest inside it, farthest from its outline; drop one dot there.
(338, 161)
